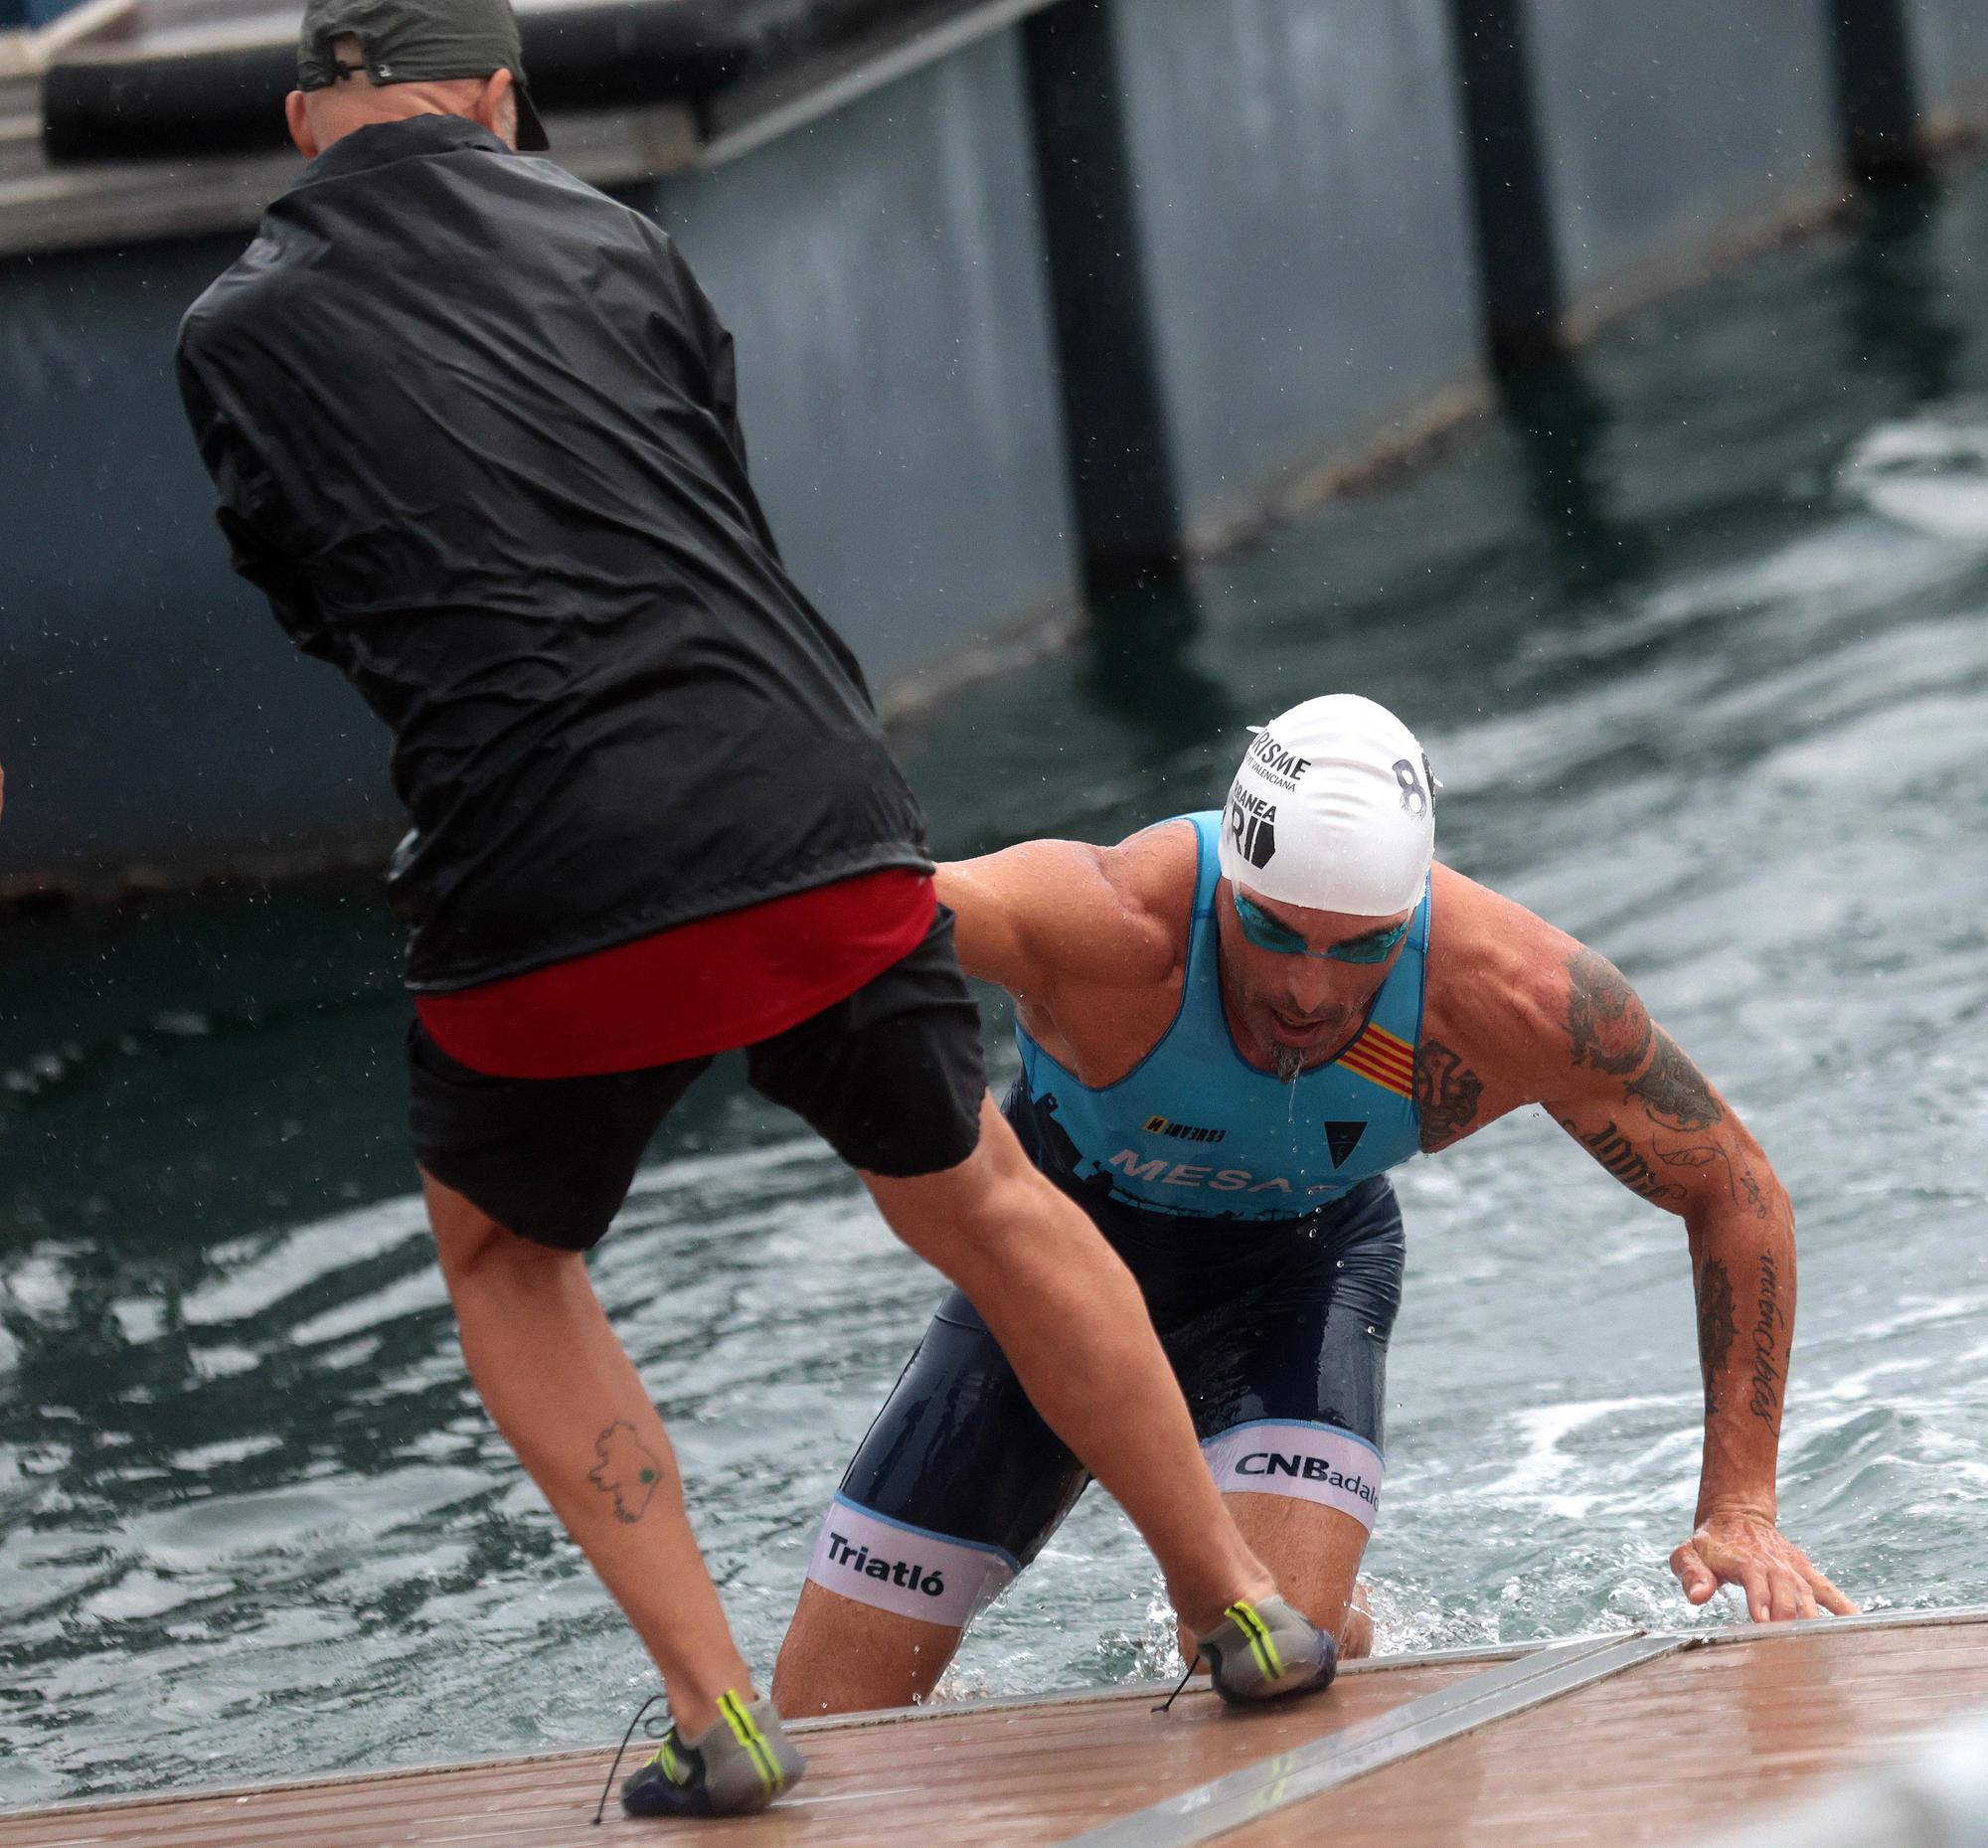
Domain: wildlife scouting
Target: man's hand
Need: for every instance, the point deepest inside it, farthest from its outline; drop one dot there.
(1745, 1550)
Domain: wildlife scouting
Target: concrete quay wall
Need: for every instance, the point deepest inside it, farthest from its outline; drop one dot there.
(1092, 284)
(1302, 211)
(149, 705)
(1949, 41)
(1666, 129)
(882, 275)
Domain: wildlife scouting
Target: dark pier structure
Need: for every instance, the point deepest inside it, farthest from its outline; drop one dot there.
(1032, 298)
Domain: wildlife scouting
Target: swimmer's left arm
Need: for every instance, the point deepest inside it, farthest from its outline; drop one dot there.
(1624, 1089)
(1519, 1013)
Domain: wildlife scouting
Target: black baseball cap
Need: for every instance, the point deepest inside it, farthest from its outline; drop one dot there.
(419, 42)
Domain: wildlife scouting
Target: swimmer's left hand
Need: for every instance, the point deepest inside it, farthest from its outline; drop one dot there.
(1742, 1548)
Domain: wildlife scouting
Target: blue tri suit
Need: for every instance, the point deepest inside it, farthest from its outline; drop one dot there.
(1257, 1220)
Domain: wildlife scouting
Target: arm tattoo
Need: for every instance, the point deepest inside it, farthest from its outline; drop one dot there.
(1764, 1402)
(1716, 1329)
(1744, 1189)
(1605, 1023)
(628, 1470)
(1615, 1152)
(1673, 1091)
(1446, 1095)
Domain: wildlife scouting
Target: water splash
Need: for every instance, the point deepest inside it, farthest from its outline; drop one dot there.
(1928, 471)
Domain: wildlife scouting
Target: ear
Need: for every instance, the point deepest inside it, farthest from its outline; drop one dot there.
(497, 108)
(298, 115)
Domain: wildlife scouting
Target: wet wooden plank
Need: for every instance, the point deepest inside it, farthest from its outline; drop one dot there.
(1685, 1745)
(1307, 1771)
(972, 1775)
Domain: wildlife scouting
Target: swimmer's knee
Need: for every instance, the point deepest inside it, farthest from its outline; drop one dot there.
(1300, 1460)
(841, 1656)
(879, 1563)
(1305, 1495)
(1356, 1627)
(882, 1610)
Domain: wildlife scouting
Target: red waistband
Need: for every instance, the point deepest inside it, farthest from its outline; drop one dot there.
(700, 988)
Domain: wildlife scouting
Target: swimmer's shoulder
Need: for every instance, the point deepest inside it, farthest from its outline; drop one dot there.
(1051, 920)
(1153, 875)
(1496, 975)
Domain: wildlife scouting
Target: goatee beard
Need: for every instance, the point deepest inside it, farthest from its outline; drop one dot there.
(1287, 1061)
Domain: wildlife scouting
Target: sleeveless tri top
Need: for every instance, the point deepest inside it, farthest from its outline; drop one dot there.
(1196, 1131)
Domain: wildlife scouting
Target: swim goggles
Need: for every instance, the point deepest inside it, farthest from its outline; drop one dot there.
(1268, 934)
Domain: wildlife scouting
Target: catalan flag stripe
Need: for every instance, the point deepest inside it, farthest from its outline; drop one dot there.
(1379, 1038)
(1382, 1059)
(1401, 1069)
(1388, 1080)
(1391, 1068)
(1379, 1054)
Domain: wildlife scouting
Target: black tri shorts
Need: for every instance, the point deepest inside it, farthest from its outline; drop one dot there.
(1279, 1335)
(890, 1077)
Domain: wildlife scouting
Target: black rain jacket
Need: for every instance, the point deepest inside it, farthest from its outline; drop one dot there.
(474, 433)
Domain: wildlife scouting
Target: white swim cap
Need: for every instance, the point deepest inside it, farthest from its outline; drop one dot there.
(1333, 809)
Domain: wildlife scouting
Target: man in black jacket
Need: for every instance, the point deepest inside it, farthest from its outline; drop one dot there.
(473, 430)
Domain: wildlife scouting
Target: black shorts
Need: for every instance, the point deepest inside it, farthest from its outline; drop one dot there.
(1279, 1336)
(892, 1079)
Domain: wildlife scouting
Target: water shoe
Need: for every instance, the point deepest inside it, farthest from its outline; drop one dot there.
(735, 1765)
(1267, 1651)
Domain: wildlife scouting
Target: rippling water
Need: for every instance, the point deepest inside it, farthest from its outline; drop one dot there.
(1697, 634)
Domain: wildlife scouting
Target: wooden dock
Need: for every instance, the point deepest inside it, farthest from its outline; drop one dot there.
(1628, 1738)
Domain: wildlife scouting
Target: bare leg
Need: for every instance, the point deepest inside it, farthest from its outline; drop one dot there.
(1356, 1635)
(1314, 1554)
(1074, 1328)
(844, 1657)
(841, 1656)
(563, 1392)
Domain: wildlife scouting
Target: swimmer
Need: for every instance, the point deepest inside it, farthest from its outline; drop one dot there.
(1232, 1025)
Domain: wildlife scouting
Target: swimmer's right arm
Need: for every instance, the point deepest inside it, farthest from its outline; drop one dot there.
(1037, 916)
